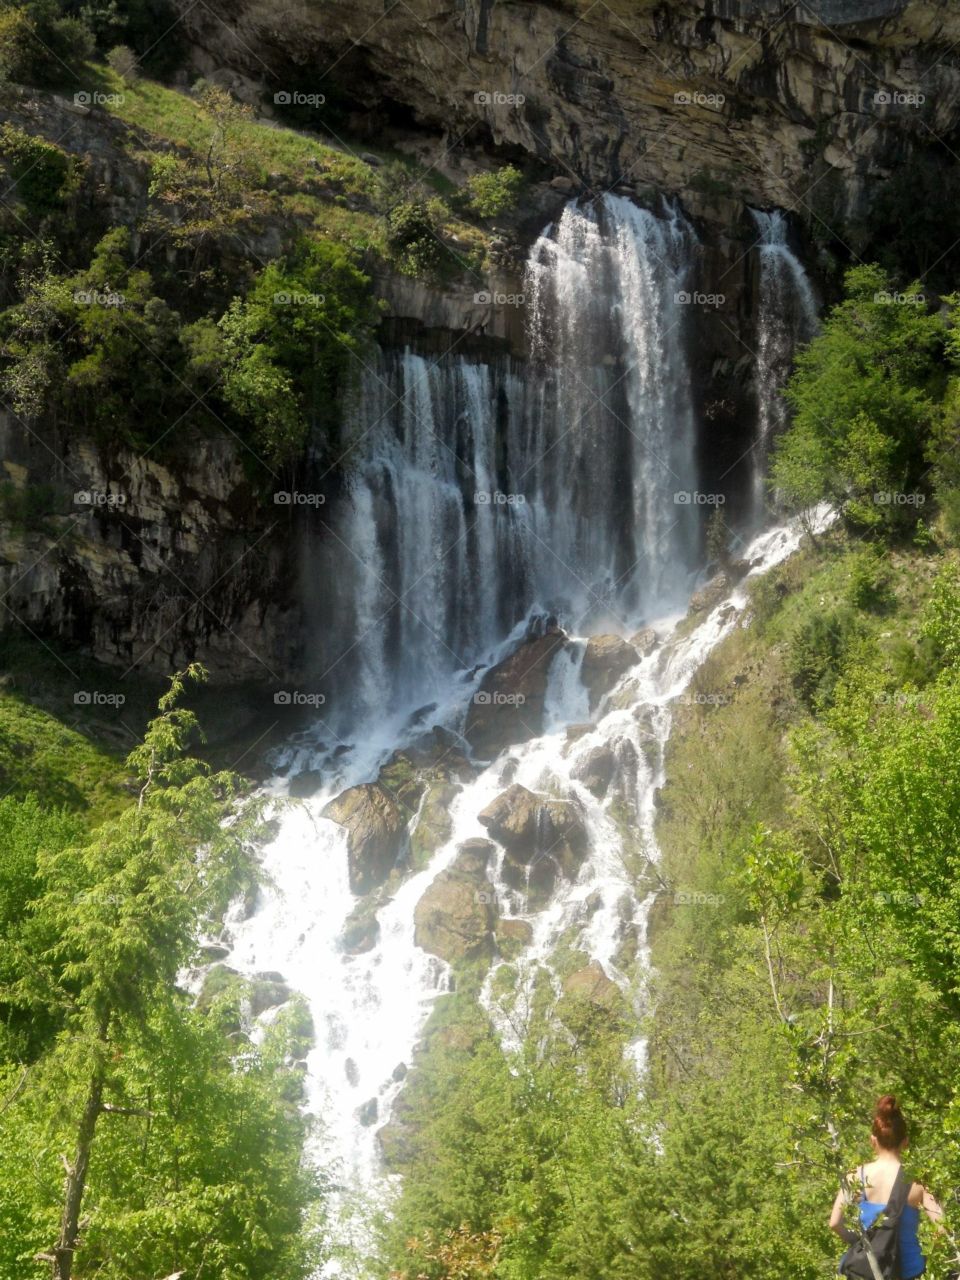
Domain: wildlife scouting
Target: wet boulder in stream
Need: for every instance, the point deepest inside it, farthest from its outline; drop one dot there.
(376, 832)
(605, 660)
(508, 707)
(456, 915)
(543, 838)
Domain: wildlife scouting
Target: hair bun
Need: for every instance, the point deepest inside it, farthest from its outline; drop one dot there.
(889, 1126)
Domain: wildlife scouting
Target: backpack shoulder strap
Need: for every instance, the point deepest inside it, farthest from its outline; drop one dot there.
(899, 1194)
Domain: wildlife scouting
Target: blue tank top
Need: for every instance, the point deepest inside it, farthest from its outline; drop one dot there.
(912, 1261)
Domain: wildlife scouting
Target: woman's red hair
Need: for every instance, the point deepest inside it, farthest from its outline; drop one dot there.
(889, 1126)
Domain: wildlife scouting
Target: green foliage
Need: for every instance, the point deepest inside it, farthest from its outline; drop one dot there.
(784, 1018)
(193, 1136)
(42, 45)
(43, 175)
(495, 193)
(412, 238)
(123, 61)
(40, 755)
(819, 647)
(289, 346)
(865, 396)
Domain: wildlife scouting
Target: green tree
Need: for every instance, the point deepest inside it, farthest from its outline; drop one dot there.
(864, 396)
(291, 346)
(495, 193)
(122, 914)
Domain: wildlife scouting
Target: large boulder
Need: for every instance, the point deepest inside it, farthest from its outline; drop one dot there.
(543, 838)
(455, 917)
(592, 984)
(376, 833)
(606, 659)
(711, 594)
(645, 641)
(595, 769)
(508, 706)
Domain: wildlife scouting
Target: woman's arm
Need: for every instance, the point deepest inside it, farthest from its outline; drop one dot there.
(837, 1224)
(930, 1207)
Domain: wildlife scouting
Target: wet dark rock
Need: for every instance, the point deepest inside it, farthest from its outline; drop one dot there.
(711, 594)
(306, 784)
(606, 659)
(596, 769)
(455, 917)
(592, 984)
(645, 641)
(267, 991)
(377, 833)
(508, 707)
(361, 929)
(513, 936)
(543, 838)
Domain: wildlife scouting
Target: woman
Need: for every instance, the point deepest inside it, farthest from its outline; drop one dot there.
(875, 1180)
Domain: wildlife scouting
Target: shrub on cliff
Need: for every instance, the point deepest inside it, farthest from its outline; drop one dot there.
(291, 345)
(866, 396)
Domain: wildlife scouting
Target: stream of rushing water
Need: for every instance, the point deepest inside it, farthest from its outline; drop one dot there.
(485, 494)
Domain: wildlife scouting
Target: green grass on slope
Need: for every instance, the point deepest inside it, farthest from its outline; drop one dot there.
(40, 754)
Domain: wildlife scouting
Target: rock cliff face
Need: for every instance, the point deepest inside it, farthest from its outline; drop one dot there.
(145, 566)
(724, 101)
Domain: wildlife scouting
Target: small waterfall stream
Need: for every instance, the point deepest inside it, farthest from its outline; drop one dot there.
(787, 318)
(485, 494)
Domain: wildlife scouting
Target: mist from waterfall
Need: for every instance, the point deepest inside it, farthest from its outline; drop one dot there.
(787, 317)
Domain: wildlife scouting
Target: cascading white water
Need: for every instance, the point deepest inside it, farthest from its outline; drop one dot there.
(614, 413)
(787, 317)
(480, 494)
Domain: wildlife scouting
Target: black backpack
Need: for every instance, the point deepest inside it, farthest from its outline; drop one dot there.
(876, 1255)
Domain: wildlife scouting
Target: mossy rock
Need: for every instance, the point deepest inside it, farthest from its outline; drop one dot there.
(434, 826)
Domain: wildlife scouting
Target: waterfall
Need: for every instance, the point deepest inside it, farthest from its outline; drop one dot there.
(786, 318)
(479, 494)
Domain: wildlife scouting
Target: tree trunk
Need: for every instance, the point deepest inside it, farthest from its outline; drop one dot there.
(62, 1257)
(76, 1182)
